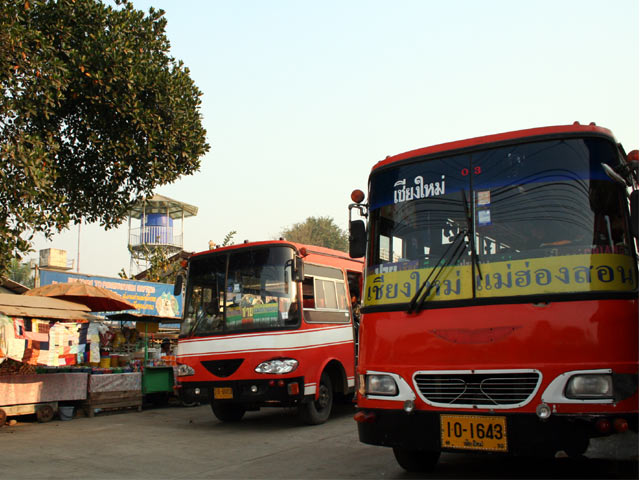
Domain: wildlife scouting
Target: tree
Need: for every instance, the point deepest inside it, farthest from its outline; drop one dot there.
(94, 115)
(21, 273)
(321, 231)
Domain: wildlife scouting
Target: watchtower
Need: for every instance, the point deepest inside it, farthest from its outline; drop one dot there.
(157, 228)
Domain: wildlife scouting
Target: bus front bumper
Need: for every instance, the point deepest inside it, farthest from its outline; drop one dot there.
(269, 392)
(525, 434)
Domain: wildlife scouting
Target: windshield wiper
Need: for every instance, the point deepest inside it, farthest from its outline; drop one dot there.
(420, 296)
(474, 255)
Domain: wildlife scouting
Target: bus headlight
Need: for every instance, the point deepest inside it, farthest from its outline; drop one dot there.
(185, 370)
(277, 366)
(589, 386)
(378, 384)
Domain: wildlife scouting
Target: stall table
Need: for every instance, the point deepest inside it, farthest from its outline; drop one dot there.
(119, 390)
(39, 393)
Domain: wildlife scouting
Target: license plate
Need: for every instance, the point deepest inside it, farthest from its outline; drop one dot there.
(470, 432)
(222, 393)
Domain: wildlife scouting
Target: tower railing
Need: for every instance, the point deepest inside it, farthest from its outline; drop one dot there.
(153, 235)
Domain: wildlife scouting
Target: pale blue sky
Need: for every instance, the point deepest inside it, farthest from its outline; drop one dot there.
(301, 99)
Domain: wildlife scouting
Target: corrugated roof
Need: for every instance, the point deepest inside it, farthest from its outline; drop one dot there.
(164, 205)
(42, 307)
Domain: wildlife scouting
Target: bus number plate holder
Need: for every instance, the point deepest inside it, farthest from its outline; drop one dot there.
(474, 432)
(222, 393)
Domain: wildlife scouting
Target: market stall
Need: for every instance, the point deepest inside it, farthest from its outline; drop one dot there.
(159, 362)
(43, 343)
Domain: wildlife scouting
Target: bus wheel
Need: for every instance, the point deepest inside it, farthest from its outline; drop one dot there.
(228, 412)
(420, 461)
(577, 447)
(317, 411)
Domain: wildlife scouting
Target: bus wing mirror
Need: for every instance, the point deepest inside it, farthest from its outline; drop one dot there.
(298, 269)
(633, 206)
(357, 239)
(177, 286)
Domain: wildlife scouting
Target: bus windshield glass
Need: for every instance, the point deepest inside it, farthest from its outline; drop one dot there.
(241, 290)
(543, 217)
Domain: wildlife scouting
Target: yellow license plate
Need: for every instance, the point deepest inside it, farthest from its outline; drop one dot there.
(470, 432)
(222, 393)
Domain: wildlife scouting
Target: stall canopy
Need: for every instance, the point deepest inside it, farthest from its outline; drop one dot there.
(43, 307)
(96, 298)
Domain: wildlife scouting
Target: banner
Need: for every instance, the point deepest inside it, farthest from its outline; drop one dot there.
(150, 298)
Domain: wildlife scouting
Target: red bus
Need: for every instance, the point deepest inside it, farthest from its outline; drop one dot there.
(269, 324)
(500, 305)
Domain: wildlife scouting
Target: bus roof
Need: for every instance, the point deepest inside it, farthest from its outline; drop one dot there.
(310, 253)
(575, 128)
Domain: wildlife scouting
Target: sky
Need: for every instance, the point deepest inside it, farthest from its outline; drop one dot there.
(300, 99)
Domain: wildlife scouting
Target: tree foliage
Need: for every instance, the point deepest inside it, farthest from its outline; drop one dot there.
(321, 231)
(94, 115)
(21, 273)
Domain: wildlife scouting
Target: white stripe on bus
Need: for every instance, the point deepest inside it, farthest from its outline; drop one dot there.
(282, 341)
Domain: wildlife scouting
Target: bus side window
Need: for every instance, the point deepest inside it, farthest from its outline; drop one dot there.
(307, 293)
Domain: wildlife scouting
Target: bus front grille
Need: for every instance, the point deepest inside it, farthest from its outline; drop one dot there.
(477, 389)
(223, 368)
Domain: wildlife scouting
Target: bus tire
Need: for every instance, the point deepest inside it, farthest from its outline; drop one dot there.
(418, 461)
(577, 447)
(317, 411)
(228, 412)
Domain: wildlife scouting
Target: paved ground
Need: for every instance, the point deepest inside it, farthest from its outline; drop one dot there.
(189, 443)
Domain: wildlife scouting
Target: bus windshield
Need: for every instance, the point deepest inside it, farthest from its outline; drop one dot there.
(543, 217)
(241, 290)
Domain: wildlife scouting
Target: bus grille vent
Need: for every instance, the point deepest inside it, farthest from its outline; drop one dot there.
(223, 368)
(502, 390)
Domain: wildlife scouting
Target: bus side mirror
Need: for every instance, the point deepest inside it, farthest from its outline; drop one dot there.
(357, 239)
(177, 286)
(298, 269)
(633, 206)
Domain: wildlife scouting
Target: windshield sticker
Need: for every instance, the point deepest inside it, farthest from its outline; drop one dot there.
(403, 193)
(563, 274)
(484, 217)
(484, 198)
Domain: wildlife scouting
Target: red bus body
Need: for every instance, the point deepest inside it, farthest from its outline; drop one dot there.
(500, 347)
(219, 362)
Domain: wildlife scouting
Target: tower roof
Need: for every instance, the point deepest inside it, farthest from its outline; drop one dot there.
(164, 205)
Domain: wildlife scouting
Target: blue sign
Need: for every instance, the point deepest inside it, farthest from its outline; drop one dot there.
(150, 298)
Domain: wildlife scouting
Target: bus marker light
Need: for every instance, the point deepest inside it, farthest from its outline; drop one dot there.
(254, 389)
(272, 383)
(281, 383)
(365, 417)
(543, 411)
(357, 196)
(603, 425)
(620, 425)
(293, 388)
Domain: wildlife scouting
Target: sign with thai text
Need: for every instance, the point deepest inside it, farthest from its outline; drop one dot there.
(150, 298)
(533, 276)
